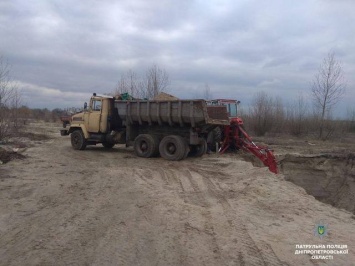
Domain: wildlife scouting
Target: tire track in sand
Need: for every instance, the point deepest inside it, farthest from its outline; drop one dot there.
(249, 251)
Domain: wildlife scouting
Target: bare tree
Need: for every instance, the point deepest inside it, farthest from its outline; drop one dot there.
(278, 114)
(297, 115)
(207, 92)
(327, 89)
(6, 97)
(128, 83)
(10, 102)
(351, 119)
(156, 81)
(24, 113)
(261, 113)
(15, 104)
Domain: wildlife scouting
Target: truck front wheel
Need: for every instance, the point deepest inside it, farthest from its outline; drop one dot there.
(173, 148)
(146, 146)
(78, 140)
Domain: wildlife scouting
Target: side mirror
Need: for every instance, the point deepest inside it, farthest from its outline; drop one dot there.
(85, 105)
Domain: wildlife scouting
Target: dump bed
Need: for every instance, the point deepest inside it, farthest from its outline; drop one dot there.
(171, 112)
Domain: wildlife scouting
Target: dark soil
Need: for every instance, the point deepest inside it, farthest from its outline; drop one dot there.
(6, 156)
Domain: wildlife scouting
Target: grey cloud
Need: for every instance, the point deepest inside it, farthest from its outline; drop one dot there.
(237, 47)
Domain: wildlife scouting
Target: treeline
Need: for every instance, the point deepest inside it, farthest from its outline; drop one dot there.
(13, 114)
(13, 120)
(269, 115)
(10, 102)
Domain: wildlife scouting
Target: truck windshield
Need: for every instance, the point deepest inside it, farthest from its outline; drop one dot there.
(96, 105)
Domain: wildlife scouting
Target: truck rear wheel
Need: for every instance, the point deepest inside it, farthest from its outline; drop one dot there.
(146, 145)
(173, 148)
(199, 150)
(78, 141)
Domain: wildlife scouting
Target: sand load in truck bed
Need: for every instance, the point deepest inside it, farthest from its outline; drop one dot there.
(179, 112)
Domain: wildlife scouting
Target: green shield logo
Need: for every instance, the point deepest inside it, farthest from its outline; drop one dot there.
(321, 229)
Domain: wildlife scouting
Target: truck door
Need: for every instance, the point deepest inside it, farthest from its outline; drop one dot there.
(95, 115)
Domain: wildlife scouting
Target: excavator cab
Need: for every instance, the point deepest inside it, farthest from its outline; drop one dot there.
(235, 137)
(231, 105)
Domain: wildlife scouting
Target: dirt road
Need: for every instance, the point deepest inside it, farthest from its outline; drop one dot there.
(107, 207)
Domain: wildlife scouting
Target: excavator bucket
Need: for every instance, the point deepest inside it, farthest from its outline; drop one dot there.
(271, 162)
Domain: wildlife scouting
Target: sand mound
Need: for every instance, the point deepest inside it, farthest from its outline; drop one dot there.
(165, 97)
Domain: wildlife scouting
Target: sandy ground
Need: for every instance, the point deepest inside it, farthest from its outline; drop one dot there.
(98, 207)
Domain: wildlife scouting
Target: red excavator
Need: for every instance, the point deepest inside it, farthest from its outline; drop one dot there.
(234, 137)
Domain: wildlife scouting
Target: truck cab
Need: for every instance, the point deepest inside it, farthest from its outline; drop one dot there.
(96, 114)
(96, 124)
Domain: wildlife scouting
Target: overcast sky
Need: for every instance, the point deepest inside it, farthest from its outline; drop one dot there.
(62, 51)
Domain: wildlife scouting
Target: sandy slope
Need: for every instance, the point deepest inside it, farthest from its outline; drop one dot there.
(99, 207)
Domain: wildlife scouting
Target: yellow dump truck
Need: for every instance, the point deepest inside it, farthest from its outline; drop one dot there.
(171, 128)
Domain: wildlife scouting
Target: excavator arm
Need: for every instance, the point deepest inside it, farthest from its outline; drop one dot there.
(235, 136)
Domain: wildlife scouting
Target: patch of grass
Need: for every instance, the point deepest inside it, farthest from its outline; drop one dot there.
(34, 136)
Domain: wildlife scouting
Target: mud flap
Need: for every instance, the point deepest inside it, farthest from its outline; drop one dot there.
(64, 132)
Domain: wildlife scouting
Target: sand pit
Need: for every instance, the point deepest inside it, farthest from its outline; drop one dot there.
(330, 178)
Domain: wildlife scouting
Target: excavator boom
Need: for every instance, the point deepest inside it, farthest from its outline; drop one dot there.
(236, 136)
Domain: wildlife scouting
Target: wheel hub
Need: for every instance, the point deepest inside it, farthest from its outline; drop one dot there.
(144, 146)
(171, 148)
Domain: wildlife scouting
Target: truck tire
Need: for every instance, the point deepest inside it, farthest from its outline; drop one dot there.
(173, 148)
(78, 141)
(198, 150)
(108, 145)
(146, 146)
